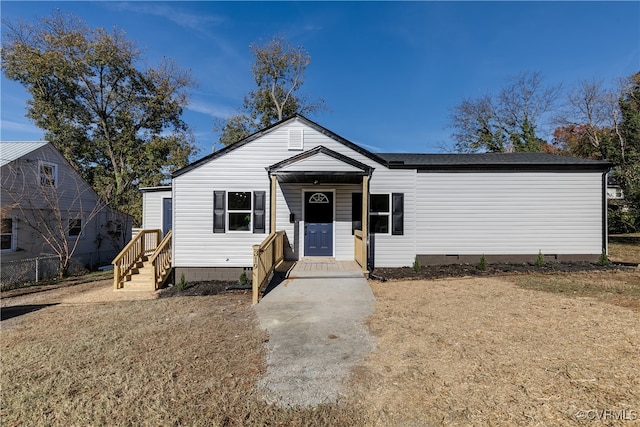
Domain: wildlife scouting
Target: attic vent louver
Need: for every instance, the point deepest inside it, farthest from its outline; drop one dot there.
(296, 139)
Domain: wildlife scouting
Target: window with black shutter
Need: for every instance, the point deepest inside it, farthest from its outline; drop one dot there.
(258, 211)
(356, 212)
(219, 211)
(397, 214)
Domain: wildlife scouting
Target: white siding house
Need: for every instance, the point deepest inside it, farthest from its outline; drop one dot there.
(438, 208)
(46, 206)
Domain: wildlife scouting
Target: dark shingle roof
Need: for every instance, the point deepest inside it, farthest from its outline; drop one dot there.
(490, 161)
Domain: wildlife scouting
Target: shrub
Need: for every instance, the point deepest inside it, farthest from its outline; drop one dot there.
(539, 260)
(243, 280)
(416, 265)
(182, 284)
(482, 264)
(604, 259)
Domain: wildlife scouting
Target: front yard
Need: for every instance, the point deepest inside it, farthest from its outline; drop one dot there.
(523, 349)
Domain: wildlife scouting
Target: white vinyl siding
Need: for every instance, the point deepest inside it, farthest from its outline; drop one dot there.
(195, 244)
(152, 208)
(444, 213)
(509, 213)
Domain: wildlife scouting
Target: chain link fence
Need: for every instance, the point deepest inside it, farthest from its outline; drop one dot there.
(15, 274)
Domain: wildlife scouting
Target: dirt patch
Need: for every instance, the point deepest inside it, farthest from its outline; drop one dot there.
(94, 292)
(464, 270)
(483, 351)
(201, 289)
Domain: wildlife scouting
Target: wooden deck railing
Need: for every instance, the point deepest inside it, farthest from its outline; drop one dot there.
(141, 246)
(266, 257)
(161, 260)
(360, 249)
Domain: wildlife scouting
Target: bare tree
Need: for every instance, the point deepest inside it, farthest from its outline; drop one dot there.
(509, 121)
(57, 208)
(590, 116)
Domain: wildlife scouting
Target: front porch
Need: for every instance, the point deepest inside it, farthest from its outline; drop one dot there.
(312, 267)
(269, 258)
(320, 198)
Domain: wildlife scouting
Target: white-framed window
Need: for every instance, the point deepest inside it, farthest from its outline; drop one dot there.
(379, 213)
(8, 234)
(48, 174)
(76, 225)
(239, 208)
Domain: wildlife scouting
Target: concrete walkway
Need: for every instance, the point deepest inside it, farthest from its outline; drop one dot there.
(315, 320)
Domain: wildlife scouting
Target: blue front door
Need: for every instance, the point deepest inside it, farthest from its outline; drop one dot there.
(318, 223)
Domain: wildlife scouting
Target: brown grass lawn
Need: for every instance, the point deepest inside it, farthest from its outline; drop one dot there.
(493, 351)
(508, 350)
(624, 252)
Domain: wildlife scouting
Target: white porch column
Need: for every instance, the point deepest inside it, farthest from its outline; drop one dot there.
(365, 218)
(272, 205)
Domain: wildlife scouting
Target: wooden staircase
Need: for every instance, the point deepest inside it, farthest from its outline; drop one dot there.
(145, 263)
(140, 278)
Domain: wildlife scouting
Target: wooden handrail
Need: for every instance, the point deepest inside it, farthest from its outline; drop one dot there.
(360, 249)
(161, 260)
(266, 257)
(142, 245)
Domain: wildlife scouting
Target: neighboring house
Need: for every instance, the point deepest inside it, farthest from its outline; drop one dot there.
(48, 209)
(299, 177)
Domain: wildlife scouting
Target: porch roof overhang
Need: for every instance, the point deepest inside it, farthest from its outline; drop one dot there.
(318, 166)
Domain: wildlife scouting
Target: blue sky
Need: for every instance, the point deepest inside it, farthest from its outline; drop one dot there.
(390, 72)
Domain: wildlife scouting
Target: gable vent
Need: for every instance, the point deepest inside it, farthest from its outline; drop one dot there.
(296, 139)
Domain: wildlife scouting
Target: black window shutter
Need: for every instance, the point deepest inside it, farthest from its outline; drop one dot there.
(397, 213)
(258, 211)
(356, 212)
(219, 211)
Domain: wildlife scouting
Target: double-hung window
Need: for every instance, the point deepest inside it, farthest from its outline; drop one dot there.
(7, 235)
(48, 173)
(386, 213)
(379, 210)
(75, 227)
(239, 210)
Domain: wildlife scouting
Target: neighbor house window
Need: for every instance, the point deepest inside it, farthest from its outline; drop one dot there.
(48, 174)
(379, 210)
(239, 210)
(7, 235)
(75, 227)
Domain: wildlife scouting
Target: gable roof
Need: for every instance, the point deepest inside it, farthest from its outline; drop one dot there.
(295, 117)
(490, 161)
(318, 151)
(426, 162)
(13, 150)
(312, 166)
